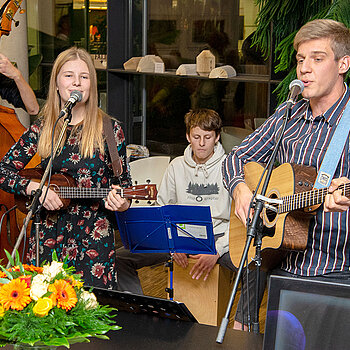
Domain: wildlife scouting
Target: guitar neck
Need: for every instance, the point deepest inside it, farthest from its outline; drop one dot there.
(308, 199)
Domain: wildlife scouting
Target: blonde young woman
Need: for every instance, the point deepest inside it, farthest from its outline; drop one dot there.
(84, 230)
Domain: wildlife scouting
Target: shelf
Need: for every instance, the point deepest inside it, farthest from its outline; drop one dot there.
(248, 78)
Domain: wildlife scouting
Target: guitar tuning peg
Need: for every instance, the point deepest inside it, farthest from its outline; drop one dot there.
(148, 181)
(16, 23)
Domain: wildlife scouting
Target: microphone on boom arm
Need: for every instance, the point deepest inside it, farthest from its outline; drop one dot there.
(75, 97)
(296, 87)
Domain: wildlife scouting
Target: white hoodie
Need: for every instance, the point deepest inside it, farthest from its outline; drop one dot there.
(188, 183)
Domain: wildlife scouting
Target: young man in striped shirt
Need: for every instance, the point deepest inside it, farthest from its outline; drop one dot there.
(323, 49)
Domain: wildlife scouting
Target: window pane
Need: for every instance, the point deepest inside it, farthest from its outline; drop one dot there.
(54, 26)
(178, 30)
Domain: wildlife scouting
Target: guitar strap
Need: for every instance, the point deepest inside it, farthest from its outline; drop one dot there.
(112, 147)
(334, 151)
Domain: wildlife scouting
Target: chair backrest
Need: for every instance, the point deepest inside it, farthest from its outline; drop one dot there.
(148, 170)
(232, 136)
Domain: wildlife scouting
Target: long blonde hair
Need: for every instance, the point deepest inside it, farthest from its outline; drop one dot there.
(91, 136)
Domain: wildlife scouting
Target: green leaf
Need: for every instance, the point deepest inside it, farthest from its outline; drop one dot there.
(8, 274)
(9, 257)
(101, 336)
(4, 280)
(54, 256)
(17, 261)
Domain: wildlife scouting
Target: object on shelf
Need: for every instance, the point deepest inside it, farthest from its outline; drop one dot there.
(151, 64)
(100, 61)
(134, 152)
(223, 72)
(187, 69)
(132, 63)
(205, 62)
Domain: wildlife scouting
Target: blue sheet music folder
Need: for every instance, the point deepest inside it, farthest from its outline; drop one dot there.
(170, 228)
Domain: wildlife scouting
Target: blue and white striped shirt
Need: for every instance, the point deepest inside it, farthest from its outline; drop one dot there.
(305, 142)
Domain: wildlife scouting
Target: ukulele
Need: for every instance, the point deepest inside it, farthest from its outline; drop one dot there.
(65, 187)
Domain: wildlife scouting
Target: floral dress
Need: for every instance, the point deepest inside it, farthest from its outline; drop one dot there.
(83, 232)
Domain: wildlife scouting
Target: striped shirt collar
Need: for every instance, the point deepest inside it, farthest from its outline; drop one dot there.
(333, 114)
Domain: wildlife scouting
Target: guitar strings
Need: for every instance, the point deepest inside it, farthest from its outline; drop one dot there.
(305, 199)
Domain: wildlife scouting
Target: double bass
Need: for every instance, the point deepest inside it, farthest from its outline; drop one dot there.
(10, 131)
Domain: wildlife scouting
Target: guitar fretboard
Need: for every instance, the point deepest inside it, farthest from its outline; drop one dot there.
(83, 192)
(308, 199)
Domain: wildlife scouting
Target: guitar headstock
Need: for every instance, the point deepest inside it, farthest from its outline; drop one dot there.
(148, 192)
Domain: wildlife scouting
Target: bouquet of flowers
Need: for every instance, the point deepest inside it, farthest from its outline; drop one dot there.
(49, 306)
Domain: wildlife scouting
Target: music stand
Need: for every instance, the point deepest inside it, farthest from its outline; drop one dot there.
(143, 304)
(167, 229)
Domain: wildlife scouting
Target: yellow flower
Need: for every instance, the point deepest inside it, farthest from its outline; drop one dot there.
(76, 283)
(15, 295)
(42, 307)
(2, 311)
(63, 294)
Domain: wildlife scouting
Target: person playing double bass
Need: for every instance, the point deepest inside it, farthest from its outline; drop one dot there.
(14, 88)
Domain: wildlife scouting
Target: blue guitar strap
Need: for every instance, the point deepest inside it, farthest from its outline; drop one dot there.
(334, 151)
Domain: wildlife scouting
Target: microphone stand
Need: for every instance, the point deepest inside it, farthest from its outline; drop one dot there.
(36, 195)
(254, 230)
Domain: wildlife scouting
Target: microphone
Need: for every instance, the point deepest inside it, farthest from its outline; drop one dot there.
(75, 96)
(296, 87)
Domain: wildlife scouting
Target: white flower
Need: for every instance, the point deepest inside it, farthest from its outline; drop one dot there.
(89, 299)
(39, 287)
(51, 271)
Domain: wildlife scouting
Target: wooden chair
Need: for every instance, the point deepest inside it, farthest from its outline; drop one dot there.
(148, 170)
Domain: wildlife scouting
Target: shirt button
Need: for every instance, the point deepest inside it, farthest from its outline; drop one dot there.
(300, 141)
(314, 127)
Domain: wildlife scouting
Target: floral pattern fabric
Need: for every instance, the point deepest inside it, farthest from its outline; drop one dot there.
(83, 232)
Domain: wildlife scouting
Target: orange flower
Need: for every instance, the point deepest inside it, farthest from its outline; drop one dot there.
(63, 294)
(15, 295)
(30, 268)
(33, 268)
(27, 279)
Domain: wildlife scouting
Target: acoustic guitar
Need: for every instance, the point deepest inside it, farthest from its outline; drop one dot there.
(65, 186)
(286, 223)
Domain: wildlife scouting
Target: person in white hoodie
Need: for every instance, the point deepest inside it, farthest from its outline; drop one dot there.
(193, 179)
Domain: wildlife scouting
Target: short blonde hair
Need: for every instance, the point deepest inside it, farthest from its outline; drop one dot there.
(337, 32)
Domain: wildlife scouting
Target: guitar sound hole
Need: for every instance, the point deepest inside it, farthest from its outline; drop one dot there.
(268, 231)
